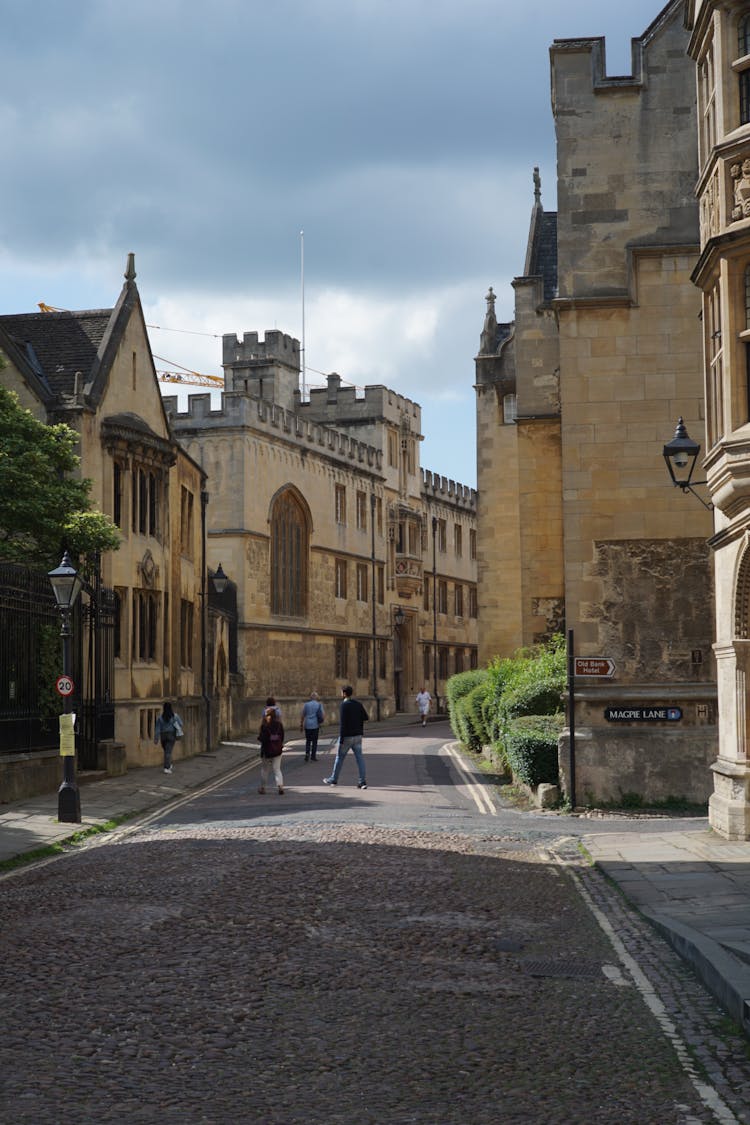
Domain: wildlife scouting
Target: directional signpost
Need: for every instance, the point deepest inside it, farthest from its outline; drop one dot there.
(594, 666)
(600, 666)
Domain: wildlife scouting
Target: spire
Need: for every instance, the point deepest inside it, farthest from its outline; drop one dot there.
(130, 268)
(488, 339)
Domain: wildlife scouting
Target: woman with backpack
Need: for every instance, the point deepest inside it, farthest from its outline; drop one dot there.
(167, 730)
(271, 738)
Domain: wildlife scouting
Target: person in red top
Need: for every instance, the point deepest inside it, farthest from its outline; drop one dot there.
(271, 739)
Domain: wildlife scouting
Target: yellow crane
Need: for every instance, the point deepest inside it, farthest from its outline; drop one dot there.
(193, 378)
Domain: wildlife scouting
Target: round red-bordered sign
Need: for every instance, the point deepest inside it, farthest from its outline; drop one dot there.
(64, 685)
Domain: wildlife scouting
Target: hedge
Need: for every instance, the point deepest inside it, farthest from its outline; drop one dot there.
(465, 693)
(515, 706)
(531, 748)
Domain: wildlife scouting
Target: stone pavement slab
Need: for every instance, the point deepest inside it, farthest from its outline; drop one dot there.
(31, 824)
(694, 888)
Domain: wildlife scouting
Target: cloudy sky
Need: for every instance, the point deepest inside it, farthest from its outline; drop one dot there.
(399, 135)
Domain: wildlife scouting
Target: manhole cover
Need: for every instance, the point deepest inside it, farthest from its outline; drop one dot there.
(507, 945)
(578, 970)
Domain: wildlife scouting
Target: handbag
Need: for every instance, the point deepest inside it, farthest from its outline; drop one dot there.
(179, 732)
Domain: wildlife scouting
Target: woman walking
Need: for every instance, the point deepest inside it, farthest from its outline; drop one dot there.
(271, 738)
(167, 730)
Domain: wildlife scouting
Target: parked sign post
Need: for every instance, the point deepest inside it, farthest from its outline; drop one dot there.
(599, 666)
(572, 717)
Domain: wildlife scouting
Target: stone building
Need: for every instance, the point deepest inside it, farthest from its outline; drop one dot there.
(720, 49)
(519, 457)
(94, 371)
(351, 563)
(578, 396)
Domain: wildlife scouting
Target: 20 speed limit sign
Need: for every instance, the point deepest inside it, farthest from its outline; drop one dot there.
(64, 685)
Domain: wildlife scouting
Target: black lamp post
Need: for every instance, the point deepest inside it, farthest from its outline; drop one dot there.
(399, 617)
(373, 563)
(66, 585)
(219, 579)
(680, 456)
(434, 617)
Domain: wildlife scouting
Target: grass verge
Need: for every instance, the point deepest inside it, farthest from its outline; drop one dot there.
(61, 846)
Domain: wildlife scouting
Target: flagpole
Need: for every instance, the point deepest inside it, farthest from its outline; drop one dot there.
(302, 265)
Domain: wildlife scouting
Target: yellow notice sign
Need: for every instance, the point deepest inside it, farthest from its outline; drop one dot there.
(67, 736)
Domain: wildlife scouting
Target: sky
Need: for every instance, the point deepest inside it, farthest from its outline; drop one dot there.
(399, 135)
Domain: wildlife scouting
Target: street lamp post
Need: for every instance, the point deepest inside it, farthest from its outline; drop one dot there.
(374, 609)
(66, 585)
(680, 455)
(434, 616)
(399, 617)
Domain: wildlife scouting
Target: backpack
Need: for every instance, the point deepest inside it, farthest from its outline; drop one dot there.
(275, 744)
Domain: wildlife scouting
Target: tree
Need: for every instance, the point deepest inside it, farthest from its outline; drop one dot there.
(43, 506)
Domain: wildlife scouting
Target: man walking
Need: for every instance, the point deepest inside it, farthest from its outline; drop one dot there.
(310, 722)
(424, 699)
(351, 725)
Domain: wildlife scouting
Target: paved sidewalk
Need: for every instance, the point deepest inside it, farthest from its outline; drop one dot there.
(28, 825)
(693, 886)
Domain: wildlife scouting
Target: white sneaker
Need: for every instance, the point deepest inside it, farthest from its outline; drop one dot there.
(168, 769)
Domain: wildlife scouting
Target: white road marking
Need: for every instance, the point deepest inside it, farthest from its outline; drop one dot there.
(476, 791)
(708, 1095)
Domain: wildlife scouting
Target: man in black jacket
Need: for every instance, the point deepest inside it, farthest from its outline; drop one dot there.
(352, 717)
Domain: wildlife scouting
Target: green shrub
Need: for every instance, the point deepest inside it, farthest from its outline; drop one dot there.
(461, 712)
(486, 707)
(531, 748)
(473, 707)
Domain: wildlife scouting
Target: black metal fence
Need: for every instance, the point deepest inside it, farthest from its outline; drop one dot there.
(31, 661)
(94, 673)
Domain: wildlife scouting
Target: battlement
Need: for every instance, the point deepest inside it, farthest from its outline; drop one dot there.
(601, 82)
(247, 411)
(437, 487)
(250, 350)
(335, 402)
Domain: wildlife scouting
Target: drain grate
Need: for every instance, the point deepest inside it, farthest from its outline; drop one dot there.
(573, 970)
(507, 945)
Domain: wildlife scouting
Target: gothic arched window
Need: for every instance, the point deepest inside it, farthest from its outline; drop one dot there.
(289, 555)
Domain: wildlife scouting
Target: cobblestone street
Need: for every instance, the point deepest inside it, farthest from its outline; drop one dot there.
(342, 974)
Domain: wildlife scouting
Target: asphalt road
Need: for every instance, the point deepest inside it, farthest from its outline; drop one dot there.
(408, 953)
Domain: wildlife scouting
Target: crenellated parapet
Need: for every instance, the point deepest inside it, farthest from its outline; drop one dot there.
(251, 350)
(245, 411)
(346, 405)
(441, 488)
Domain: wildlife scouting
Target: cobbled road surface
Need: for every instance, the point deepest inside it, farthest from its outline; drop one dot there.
(380, 957)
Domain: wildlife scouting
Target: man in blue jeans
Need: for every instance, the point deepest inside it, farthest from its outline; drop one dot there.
(351, 723)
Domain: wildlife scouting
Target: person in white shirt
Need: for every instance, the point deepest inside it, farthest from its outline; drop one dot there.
(424, 699)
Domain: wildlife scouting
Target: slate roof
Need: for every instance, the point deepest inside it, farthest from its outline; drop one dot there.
(58, 344)
(543, 257)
